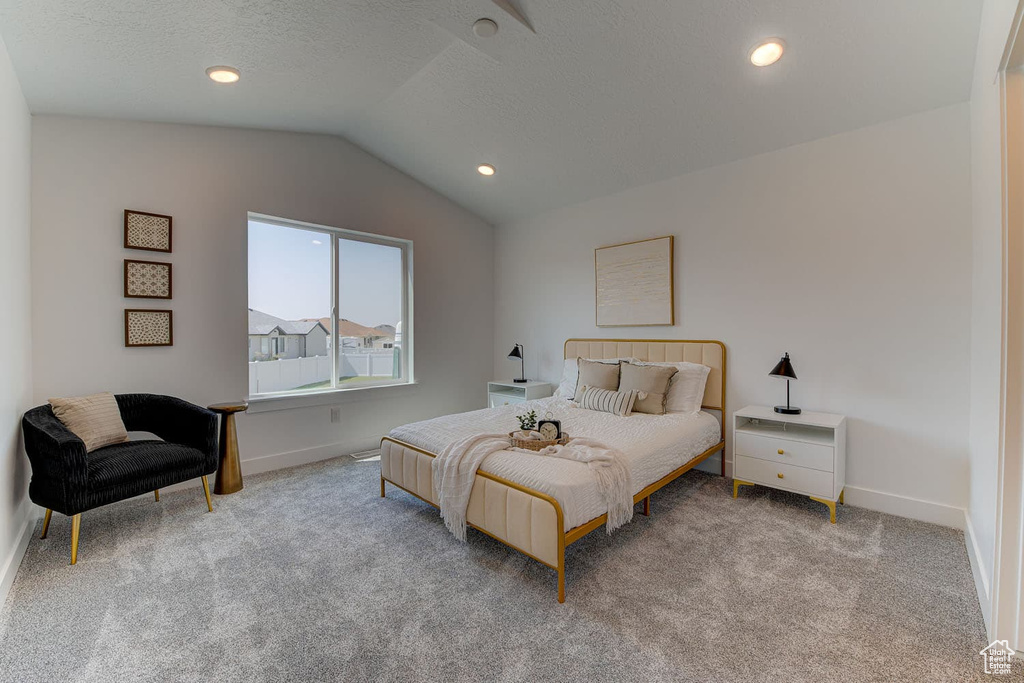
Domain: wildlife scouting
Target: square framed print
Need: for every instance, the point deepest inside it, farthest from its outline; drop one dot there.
(634, 284)
(147, 231)
(147, 279)
(148, 327)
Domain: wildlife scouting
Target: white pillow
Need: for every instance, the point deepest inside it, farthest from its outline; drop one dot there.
(686, 390)
(571, 374)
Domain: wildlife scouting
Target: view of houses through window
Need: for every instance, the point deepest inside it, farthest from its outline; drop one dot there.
(299, 275)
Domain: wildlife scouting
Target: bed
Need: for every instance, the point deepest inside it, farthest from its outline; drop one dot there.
(540, 505)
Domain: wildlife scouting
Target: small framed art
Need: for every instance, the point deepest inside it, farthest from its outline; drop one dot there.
(147, 231)
(147, 279)
(148, 327)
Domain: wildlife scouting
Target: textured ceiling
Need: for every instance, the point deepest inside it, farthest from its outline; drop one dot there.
(599, 96)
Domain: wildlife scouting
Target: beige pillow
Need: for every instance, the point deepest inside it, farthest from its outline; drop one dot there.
(596, 374)
(615, 402)
(651, 381)
(94, 419)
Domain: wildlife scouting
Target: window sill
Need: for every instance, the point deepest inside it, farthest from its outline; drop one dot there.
(267, 404)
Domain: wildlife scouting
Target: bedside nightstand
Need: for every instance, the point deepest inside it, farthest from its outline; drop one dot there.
(803, 453)
(505, 393)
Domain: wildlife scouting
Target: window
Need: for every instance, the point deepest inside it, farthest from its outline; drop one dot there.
(306, 279)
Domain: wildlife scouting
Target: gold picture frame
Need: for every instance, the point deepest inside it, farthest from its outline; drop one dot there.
(634, 283)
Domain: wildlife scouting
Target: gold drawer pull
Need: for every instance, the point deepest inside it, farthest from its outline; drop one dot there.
(781, 451)
(781, 475)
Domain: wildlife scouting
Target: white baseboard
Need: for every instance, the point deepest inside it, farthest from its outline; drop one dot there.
(904, 506)
(980, 575)
(9, 569)
(278, 461)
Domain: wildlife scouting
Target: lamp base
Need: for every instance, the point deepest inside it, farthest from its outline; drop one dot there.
(521, 381)
(786, 410)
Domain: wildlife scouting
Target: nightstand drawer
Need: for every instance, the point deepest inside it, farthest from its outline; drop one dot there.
(782, 476)
(496, 400)
(784, 451)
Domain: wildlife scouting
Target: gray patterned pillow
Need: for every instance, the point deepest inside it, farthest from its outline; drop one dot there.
(614, 402)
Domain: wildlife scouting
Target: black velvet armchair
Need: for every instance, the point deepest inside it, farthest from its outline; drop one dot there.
(67, 479)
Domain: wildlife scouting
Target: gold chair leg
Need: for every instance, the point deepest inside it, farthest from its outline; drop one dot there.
(76, 524)
(206, 490)
(647, 506)
(831, 504)
(156, 494)
(841, 497)
(46, 523)
(736, 484)
(382, 487)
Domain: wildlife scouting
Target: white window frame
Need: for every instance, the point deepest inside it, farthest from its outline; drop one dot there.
(291, 399)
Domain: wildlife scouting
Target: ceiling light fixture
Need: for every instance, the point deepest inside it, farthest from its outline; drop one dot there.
(485, 28)
(223, 74)
(767, 52)
(485, 169)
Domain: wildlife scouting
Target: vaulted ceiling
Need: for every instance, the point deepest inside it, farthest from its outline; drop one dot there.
(572, 99)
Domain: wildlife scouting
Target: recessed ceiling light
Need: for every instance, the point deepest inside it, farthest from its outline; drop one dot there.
(768, 52)
(485, 169)
(485, 28)
(223, 74)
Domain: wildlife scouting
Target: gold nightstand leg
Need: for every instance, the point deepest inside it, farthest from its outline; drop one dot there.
(841, 497)
(736, 484)
(831, 506)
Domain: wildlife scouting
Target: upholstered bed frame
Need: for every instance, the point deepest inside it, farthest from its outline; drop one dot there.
(531, 521)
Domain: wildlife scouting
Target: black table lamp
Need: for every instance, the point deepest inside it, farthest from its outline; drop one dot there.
(784, 369)
(517, 352)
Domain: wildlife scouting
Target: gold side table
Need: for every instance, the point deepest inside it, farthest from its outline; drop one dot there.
(229, 471)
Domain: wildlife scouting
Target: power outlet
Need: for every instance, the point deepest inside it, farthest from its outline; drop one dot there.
(336, 414)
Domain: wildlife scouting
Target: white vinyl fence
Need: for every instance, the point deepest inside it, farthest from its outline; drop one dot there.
(282, 375)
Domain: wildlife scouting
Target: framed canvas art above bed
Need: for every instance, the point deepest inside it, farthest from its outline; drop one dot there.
(634, 283)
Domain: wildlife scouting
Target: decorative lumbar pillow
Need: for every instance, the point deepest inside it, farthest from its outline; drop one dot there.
(615, 402)
(652, 380)
(571, 372)
(95, 419)
(596, 374)
(686, 390)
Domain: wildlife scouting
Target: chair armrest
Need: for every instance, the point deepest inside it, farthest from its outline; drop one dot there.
(172, 419)
(54, 451)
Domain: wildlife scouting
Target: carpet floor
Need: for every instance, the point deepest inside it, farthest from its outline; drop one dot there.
(307, 575)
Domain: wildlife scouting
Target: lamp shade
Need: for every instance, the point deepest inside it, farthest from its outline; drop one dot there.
(784, 369)
(515, 353)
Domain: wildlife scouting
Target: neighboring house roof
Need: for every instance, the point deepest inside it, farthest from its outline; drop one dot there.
(264, 323)
(388, 330)
(347, 328)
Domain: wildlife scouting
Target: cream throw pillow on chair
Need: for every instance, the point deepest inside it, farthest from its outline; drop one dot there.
(95, 419)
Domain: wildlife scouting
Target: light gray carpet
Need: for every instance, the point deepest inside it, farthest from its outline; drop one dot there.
(308, 575)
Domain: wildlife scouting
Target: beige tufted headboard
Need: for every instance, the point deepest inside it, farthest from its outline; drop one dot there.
(705, 352)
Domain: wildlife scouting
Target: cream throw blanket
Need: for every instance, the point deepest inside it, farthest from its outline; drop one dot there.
(454, 472)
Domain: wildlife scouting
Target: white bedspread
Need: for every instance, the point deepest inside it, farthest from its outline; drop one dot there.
(653, 446)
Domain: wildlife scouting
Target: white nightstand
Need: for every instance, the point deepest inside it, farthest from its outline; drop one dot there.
(803, 453)
(505, 393)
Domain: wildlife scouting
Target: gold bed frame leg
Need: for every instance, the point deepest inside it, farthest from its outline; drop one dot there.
(46, 522)
(736, 484)
(382, 487)
(206, 490)
(831, 504)
(156, 495)
(76, 525)
(647, 506)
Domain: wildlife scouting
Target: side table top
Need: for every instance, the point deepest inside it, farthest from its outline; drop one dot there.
(229, 407)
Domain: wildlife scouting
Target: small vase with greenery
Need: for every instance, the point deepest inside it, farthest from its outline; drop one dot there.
(528, 421)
